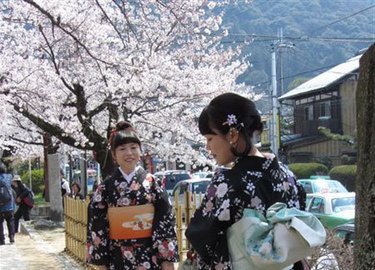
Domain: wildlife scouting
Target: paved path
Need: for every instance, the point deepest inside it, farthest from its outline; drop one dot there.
(38, 250)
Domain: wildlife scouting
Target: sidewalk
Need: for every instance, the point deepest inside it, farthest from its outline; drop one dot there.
(36, 249)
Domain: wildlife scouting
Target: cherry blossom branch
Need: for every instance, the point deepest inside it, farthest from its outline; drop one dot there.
(117, 3)
(58, 24)
(53, 58)
(111, 22)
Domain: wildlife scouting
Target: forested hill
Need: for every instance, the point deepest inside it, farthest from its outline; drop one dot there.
(321, 33)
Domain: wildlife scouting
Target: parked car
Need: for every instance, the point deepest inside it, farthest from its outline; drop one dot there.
(202, 174)
(332, 209)
(168, 179)
(346, 232)
(195, 185)
(322, 185)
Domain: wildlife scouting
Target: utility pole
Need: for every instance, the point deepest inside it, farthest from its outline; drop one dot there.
(275, 123)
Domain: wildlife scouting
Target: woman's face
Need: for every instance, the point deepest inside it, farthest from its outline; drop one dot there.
(127, 156)
(75, 189)
(219, 147)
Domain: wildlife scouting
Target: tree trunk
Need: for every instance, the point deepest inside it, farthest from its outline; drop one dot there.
(364, 250)
(104, 157)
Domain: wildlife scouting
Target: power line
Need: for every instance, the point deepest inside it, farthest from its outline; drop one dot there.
(263, 38)
(343, 18)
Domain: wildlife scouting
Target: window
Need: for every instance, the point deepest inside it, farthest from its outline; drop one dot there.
(309, 113)
(317, 205)
(325, 110)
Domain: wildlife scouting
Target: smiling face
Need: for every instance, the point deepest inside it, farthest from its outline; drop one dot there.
(127, 156)
(220, 148)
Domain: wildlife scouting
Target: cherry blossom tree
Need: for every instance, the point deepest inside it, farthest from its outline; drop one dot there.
(72, 69)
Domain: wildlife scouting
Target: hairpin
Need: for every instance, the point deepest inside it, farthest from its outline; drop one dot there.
(232, 122)
(112, 135)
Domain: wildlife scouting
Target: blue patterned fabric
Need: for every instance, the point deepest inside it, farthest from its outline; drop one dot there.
(275, 241)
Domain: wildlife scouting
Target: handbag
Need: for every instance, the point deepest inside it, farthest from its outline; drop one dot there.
(275, 242)
(28, 200)
(131, 222)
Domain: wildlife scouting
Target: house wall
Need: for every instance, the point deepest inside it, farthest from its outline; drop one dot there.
(348, 107)
(330, 149)
(309, 127)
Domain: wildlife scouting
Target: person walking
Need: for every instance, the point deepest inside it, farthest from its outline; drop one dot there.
(130, 224)
(7, 204)
(22, 192)
(65, 188)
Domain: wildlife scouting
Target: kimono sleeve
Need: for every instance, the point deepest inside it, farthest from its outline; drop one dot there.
(164, 234)
(207, 234)
(98, 229)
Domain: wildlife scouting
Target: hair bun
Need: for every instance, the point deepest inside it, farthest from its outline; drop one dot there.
(124, 126)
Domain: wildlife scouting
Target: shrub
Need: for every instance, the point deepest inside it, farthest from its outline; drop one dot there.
(346, 174)
(37, 179)
(305, 170)
(334, 248)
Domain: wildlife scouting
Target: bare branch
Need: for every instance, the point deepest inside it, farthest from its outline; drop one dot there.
(26, 142)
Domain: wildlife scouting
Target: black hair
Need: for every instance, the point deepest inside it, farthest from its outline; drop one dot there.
(3, 168)
(217, 113)
(77, 185)
(123, 133)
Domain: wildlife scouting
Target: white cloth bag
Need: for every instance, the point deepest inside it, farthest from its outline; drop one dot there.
(275, 242)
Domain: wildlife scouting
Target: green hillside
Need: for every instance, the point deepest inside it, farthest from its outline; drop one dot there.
(321, 33)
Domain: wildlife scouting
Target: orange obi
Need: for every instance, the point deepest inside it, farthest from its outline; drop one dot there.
(131, 222)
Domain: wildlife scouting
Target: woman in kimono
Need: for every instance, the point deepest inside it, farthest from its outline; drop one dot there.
(251, 179)
(144, 239)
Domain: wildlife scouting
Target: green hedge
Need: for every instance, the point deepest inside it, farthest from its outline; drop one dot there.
(305, 170)
(346, 174)
(37, 179)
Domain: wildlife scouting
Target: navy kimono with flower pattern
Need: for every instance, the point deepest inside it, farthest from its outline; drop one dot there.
(253, 182)
(143, 253)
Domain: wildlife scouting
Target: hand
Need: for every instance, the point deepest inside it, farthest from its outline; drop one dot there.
(167, 266)
(18, 200)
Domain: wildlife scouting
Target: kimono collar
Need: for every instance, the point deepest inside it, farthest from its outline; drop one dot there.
(128, 177)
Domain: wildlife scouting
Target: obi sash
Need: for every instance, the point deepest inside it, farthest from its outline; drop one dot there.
(131, 222)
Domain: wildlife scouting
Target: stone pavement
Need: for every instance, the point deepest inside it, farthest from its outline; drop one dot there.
(36, 250)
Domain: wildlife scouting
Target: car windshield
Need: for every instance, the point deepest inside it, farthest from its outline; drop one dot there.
(200, 187)
(343, 204)
(172, 179)
(324, 186)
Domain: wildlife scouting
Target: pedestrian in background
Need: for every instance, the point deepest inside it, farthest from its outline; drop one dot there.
(7, 204)
(131, 224)
(65, 188)
(76, 191)
(23, 210)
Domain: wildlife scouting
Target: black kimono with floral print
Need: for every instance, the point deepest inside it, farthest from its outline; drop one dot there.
(143, 253)
(253, 182)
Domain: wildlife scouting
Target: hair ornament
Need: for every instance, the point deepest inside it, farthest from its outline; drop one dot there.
(112, 135)
(232, 122)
